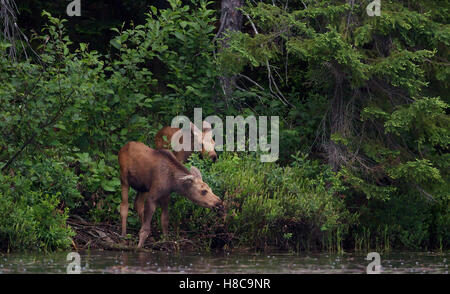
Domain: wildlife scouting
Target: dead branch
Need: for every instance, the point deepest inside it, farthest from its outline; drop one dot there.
(270, 77)
(12, 34)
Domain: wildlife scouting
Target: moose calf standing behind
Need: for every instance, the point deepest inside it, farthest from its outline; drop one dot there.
(155, 174)
(204, 137)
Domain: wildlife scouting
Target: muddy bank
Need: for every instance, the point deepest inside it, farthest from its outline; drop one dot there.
(108, 237)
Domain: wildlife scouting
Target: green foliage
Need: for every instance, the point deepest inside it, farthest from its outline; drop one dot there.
(425, 119)
(31, 219)
(408, 220)
(53, 177)
(366, 97)
(295, 206)
(178, 40)
(375, 75)
(66, 115)
(372, 72)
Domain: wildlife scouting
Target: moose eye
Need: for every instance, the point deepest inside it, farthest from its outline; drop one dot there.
(204, 192)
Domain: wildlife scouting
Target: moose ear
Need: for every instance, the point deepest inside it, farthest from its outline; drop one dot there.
(187, 180)
(198, 137)
(206, 125)
(196, 173)
(196, 131)
(207, 130)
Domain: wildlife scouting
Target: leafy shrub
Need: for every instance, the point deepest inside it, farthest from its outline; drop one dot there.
(53, 177)
(31, 219)
(296, 206)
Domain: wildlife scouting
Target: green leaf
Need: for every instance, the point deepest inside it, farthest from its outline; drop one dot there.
(115, 43)
(180, 36)
(110, 186)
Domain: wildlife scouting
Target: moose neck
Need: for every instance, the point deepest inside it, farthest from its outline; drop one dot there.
(178, 171)
(179, 188)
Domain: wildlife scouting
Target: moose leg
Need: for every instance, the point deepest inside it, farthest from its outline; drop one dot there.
(145, 228)
(139, 205)
(124, 208)
(165, 216)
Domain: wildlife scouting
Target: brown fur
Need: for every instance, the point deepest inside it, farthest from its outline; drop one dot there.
(182, 155)
(155, 174)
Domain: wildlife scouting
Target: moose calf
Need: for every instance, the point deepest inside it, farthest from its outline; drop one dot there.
(204, 137)
(155, 174)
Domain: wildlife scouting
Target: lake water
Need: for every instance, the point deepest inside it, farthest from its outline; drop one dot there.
(117, 262)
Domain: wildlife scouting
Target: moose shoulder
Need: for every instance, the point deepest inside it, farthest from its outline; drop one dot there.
(155, 174)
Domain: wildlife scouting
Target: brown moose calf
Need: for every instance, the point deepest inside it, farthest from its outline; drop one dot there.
(155, 174)
(204, 137)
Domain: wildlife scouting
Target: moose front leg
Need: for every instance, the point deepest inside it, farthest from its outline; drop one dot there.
(139, 204)
(124, 208)
(145, 230)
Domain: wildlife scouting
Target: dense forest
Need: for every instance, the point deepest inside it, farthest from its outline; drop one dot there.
(362, 100)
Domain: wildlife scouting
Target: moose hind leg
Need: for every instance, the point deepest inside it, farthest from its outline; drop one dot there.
(165, 216)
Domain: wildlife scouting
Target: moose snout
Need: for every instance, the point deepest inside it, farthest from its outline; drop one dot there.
(213, 157)
(219, 206)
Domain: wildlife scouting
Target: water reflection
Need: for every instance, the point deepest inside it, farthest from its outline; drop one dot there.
(191, 262)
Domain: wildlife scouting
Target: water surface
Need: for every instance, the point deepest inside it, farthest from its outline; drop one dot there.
(117, 262)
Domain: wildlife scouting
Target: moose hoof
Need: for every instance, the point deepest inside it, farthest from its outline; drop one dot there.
(142, 238)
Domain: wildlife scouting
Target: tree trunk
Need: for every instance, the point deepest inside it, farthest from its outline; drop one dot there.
(230, 20)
